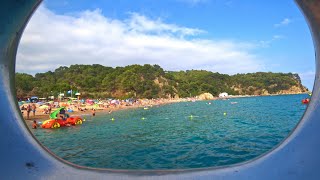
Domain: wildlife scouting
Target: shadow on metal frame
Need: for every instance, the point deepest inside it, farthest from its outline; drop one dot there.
(23, 157)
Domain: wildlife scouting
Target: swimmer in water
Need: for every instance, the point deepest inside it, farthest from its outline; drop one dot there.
(34, 125)
(93, 112)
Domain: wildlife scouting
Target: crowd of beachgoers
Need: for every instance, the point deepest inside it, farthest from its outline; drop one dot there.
(41, 110)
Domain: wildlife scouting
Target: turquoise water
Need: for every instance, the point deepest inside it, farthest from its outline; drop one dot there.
(168, 137)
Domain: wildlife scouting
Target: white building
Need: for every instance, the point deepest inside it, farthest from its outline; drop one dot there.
(224, 94)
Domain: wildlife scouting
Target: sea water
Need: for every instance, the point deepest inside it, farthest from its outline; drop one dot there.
(179, 135)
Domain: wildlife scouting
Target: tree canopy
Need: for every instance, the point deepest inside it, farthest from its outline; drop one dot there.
(149, 81)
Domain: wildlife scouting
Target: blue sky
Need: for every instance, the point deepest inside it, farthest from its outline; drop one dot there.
(226, 36)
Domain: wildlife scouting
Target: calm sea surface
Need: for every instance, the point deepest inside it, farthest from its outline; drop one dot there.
(180, 135)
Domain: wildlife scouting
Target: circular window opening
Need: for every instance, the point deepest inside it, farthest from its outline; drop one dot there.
(163, 85)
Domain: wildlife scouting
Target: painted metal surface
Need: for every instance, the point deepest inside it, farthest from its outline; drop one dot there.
(23, 157)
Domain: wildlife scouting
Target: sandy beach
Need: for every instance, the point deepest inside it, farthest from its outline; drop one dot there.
(87, 109)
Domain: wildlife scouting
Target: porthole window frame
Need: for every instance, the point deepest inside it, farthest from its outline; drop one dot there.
(23, 157)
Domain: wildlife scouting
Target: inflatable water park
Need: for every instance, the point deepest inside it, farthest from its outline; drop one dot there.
(62, 121)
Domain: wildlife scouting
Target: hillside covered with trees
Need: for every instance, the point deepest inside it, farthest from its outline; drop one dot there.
(151, 81)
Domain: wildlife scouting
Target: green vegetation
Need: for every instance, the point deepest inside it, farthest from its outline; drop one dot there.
(151, 81)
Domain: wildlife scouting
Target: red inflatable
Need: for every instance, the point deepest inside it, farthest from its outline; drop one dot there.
(57, 123)
(52, 123)
(74, 120)
(305, 101)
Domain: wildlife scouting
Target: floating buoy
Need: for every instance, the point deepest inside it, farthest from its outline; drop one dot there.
(112, 119)
(305, 101)
(224, 113)
(143, 118)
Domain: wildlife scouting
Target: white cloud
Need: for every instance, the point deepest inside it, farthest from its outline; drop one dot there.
(267, 43)
(141, 24)
(278, 37)
(52, 40)
(284, 22)
(308, 78)
(308, 75)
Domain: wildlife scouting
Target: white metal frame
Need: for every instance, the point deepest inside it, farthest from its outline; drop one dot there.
(23, 157)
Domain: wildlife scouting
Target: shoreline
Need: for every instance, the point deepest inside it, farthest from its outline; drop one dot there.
(39, 116)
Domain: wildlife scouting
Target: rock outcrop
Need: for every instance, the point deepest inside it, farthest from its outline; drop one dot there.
(206, 96)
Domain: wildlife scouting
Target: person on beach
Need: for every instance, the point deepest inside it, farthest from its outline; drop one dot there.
(34, 125)
(22, 109)
(33, 107)
(28, 111)
(45, 111)
(64, 114)
(62, 111)
(49, 108)
(93, 112)
(80, 109)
